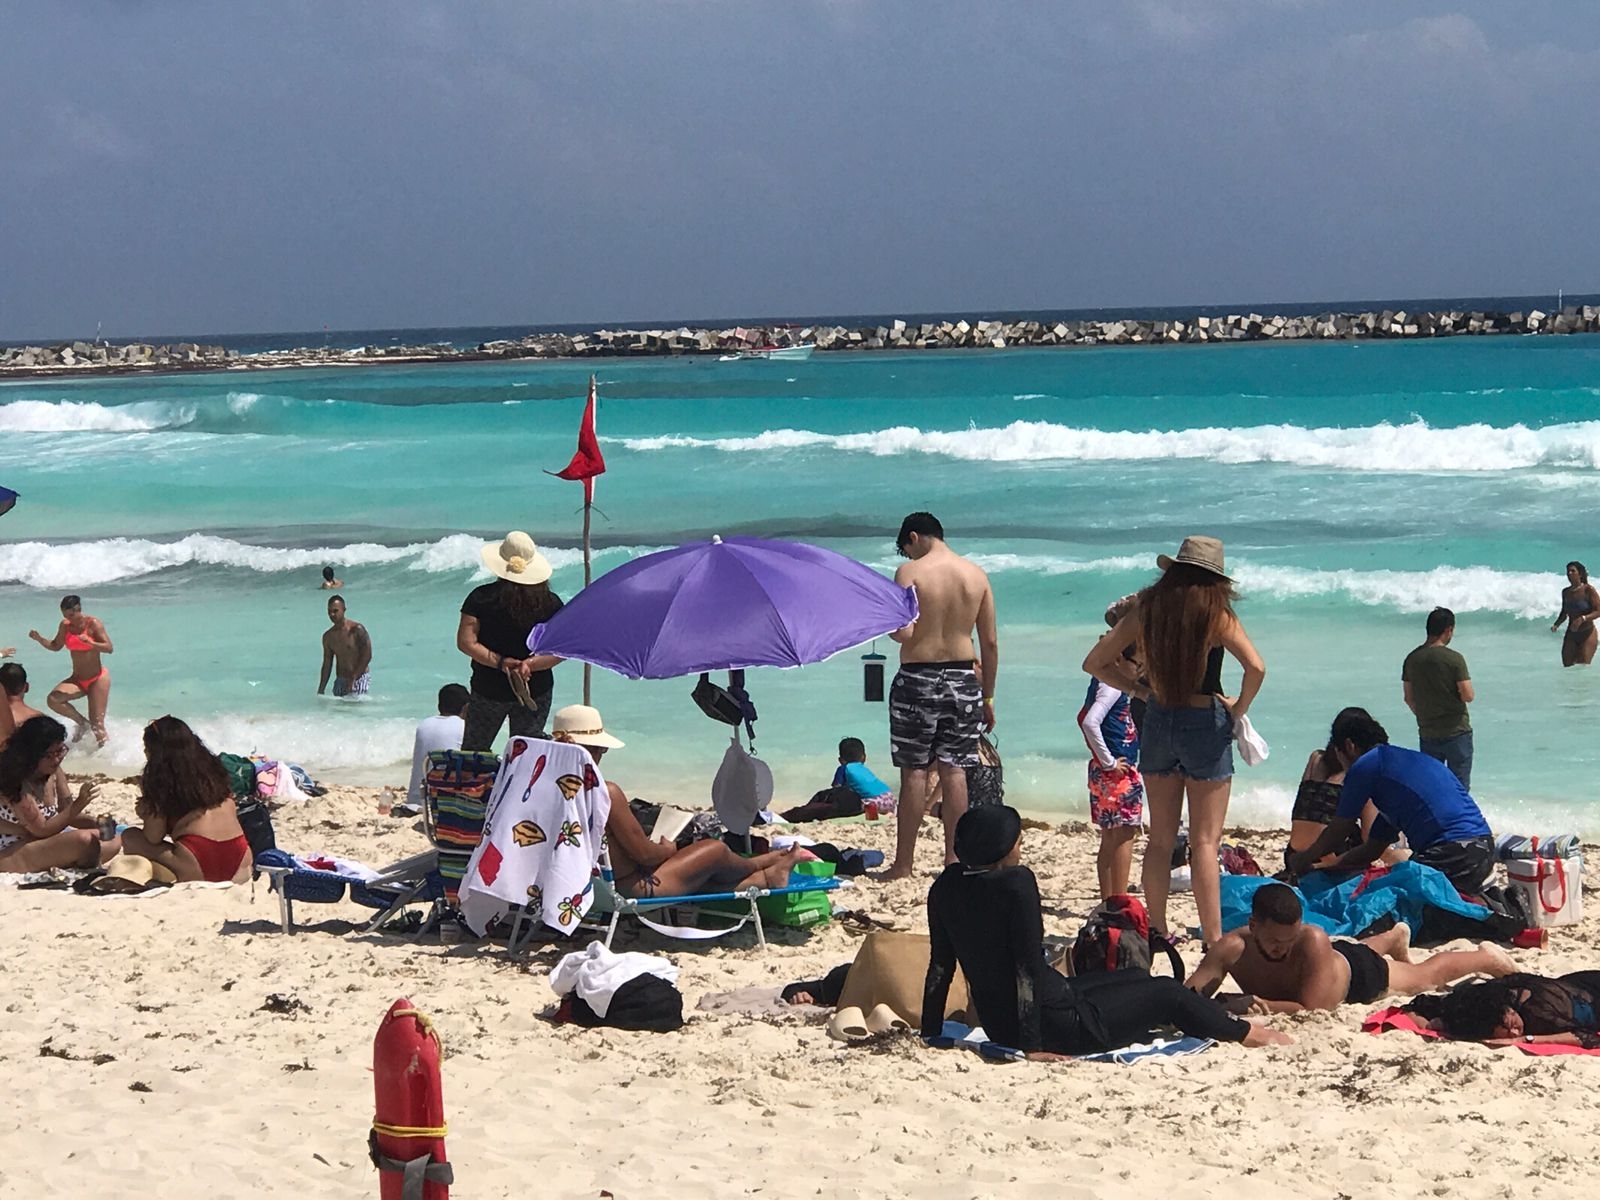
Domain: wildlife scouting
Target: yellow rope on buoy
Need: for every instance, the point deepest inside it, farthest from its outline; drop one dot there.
(411, 1131)
(422, 1020)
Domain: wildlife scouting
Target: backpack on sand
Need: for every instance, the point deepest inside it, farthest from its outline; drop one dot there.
(1117, 937)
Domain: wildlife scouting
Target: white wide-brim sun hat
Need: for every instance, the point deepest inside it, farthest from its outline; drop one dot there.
(516, 559)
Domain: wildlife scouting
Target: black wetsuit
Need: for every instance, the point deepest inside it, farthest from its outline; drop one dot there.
(990, 922)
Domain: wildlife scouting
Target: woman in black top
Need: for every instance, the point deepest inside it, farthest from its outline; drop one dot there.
(1519, 1008)
(496, 620)
(984, 913)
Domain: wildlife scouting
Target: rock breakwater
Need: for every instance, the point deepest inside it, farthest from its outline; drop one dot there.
(101, 358)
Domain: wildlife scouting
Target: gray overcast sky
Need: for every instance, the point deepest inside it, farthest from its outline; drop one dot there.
(172, 167)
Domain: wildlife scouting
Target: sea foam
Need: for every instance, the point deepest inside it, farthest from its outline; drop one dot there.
(82, 564)
(1526, 594)
(1410, 447)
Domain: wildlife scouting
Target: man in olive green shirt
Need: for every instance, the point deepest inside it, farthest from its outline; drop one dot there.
(1438, 689)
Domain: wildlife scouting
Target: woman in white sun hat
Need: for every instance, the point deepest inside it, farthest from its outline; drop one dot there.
(496, 620)
(649, 868)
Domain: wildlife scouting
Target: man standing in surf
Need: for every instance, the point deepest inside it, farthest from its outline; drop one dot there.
(85, 637)
(346, 644)
(937, 704)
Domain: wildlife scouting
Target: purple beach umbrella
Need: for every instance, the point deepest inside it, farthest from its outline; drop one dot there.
(725, 605)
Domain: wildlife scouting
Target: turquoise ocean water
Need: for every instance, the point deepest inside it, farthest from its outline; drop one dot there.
(1356, 485)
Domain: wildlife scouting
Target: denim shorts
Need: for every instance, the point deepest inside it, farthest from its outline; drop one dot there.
(1196, 743)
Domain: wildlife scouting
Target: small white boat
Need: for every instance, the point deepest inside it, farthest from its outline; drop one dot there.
(775, 353)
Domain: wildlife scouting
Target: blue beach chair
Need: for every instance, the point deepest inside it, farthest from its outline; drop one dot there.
(744, 905)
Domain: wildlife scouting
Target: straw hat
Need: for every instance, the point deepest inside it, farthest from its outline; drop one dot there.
(1202, 552)
(516, 559)
(131, 873)
(583, 725)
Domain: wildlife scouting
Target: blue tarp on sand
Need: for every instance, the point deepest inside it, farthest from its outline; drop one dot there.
(1346, 904)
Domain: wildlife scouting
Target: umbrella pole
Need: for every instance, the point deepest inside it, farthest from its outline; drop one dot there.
(587, 506)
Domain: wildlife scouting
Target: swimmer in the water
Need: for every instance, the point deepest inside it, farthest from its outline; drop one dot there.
(85, 637)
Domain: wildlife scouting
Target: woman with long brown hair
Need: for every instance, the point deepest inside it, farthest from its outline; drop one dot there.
(1182, 624)
(191, 826)
(41, 824)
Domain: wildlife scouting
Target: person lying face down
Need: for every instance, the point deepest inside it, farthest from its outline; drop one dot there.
(1286, 966)
(984, 913)
(1519, 1008)
(658, 868)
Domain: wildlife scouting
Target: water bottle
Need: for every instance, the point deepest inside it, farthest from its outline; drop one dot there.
(385, 802)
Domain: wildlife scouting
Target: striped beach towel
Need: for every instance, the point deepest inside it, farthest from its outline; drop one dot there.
(457, 788)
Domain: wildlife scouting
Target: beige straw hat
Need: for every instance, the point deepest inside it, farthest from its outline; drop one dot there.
(1202, 552)
(583, 725)
(516, 559)
(128, 873)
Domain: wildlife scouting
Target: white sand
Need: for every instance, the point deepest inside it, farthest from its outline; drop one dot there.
(241, 1102)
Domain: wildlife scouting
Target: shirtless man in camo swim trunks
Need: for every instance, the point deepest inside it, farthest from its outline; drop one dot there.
(86, 638)
(348, 645)
(937, 703)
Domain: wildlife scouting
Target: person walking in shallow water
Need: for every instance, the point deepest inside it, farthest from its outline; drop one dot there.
(1438, 688)
(1580, 604)
(85, 637)
(346, 644)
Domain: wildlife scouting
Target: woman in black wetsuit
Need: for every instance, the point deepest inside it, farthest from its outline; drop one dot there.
(984, 913)
(1519, 1008)
(1580, 605)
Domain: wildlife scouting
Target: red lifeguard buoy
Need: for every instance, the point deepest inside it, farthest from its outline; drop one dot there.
(408, 1128)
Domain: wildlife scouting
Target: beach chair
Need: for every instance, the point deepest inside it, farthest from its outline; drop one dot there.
(456, 790)
(730, 911)
(411, 880)
(540, 842)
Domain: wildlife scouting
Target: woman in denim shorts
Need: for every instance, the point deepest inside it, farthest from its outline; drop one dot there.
(1182, 624)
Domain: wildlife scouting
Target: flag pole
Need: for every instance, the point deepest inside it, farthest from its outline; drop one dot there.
(585, 465)
(588, 505)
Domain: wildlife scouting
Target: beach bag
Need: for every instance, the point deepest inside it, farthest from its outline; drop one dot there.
(1117, 937)
(241, 775)
(256, 822)
(986, 781)
(716, 702)
(646, 1002)
(801, 909)
(891, 968)
(1547, 876)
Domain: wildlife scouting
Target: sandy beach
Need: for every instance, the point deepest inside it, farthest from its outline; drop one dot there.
(141, 1057)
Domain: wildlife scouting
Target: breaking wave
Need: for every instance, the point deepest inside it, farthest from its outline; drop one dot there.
(1410, 447)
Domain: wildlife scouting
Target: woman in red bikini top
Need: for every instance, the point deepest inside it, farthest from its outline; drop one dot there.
(190, 824)
(86, 639)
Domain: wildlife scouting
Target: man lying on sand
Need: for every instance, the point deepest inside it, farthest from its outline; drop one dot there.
(984, 912)
(1286, 966)
(646, 868)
